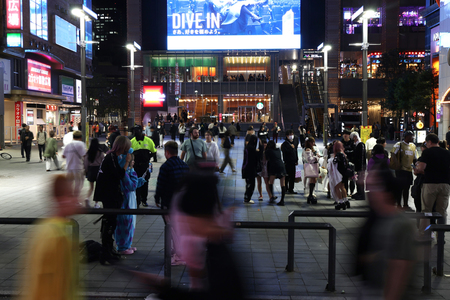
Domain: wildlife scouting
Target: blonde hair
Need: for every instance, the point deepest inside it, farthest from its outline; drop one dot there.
(121, 145)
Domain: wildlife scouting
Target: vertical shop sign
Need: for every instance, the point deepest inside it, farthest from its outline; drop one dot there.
(177, 80)
(13, 14)
(18, 109)
(365, 133)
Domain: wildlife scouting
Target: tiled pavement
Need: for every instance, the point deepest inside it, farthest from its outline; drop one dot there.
(261, 254)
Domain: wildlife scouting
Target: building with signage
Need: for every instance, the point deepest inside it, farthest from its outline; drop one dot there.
(41, 63)
(396, 25)
(217, 66)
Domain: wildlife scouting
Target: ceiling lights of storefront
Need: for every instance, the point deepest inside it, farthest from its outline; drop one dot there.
(165, 61)
(255, 60)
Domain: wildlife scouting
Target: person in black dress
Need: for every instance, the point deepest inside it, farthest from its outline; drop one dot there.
(249, 164)
(276, 169)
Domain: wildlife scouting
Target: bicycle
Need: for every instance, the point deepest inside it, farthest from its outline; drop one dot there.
(6, 156)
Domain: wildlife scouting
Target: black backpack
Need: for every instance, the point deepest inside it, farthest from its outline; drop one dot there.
(90, 251)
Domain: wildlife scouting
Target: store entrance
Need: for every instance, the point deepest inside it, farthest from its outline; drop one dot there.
(248, 114)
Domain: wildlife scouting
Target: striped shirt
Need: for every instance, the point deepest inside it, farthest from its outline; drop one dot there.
(169, 179)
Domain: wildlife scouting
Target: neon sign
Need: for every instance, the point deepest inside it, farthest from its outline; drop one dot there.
(154, 96)
(39, 76)
(13, 14)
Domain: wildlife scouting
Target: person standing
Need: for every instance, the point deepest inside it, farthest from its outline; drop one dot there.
(275, 169)
(114, 134)
(360, 162)
(370, 143)
(173, 130)
(202, 129)
(251, 157)
(108, 191)
(222, 130)
(148, 132)
(212, 150)
(41, 139)
(226, 151)
(349, 147)
(181, 131)
(407, 155)
(92, 161)
(290, 158)
(238, 129)
(162, 132)
(215, 131)
(193, 149)
(311, 156)
(51, 152)
(302, 135)
(276, 129)
(28, 137)
(232, 129)
(143, 149)
(73, 153)
(170, 175)
(337, 166)
(435, 165)
(263, 133)
(22, 139)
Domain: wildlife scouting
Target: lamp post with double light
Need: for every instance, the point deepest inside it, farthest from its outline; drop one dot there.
(84, 14)
(133, 47)
(325, 50)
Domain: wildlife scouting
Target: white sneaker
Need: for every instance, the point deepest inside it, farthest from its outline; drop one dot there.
(249, 202)
(97, 205)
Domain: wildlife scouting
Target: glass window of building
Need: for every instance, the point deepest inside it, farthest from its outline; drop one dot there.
(411, 16)
(38, 18)
(352, 27)
(246, 108)
(246, 68)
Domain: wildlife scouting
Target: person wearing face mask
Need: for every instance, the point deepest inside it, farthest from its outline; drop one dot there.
(290, 158)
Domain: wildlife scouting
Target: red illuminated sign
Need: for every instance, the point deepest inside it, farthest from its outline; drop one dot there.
(18, 109)
(154, 96)
(39, 76)
(13, 14)
(52, 108)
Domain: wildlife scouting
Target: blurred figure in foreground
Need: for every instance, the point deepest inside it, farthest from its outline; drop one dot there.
(386, 251)
(52, 257)
(203, 229)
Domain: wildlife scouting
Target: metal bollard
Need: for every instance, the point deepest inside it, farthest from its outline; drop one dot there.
(291, 239)
(167, 253)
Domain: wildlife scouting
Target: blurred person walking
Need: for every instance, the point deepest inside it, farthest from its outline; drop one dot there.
(290, 158)
(73, 153)
(144, 149)
(226, 151)
(108, 191)
(92, 161)
(249, 168)
(212, 150)
(181, 131)
(435, 165)
(233, 131)
(51, 152)
(41, 140)
(275, 169)
(52, 261)
(360, 162)
(173, 130)
(263, 174)
(222, 130)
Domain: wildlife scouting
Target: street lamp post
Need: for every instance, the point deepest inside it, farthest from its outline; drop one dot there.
(133, 47)
(365, 16)
(325, 50)
(85, 14)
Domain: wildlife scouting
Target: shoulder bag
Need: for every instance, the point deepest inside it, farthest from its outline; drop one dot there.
(197, 158)
(396, 159)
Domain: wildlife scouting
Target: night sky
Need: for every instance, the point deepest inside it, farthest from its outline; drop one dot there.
(155, 29)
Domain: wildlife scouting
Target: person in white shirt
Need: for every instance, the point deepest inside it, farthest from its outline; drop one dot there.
(74, 153)
(370, 143)
(212, 150)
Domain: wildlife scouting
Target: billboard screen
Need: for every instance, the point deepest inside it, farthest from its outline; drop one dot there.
(154, 97)
(65, 34)
(39, 76)
(233, 24)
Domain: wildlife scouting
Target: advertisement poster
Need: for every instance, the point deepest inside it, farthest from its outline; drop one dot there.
(13, 14)
(233, 24)
(6, 65)
(67, 88)
(65, 34)
(365, 133)
(154, 97)
(39, 76)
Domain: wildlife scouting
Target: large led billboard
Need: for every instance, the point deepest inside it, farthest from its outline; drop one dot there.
(39, 76)
(154, 97)
(233, 24)
(65, 34)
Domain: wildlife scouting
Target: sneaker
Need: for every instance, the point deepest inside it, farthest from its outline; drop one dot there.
(126, 252)
(260, 198)
(272, 200)
(134, 249)
(249, 202)
(97, 205)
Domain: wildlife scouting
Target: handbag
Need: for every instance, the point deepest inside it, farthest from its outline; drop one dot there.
(322, 174)
(311, 170)
(396, 160)
(298, 174)
(350, 170)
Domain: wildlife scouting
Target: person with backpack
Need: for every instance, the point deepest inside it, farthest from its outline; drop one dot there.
(378, 157)
(193, 149)
(41, 139)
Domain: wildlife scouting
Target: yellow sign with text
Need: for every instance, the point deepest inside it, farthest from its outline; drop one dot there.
(365, 133)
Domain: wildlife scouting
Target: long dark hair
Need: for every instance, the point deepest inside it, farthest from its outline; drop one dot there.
(93, 149)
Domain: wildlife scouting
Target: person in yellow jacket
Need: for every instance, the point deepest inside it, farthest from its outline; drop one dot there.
(143, 150)
(52, 261)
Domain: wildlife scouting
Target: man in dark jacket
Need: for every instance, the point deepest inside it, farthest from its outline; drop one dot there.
(113, 136)
(360, 162)
(290, 158)
(155, 139)
(22, 144)
(173, 130)
(349, 147)
(27, 141)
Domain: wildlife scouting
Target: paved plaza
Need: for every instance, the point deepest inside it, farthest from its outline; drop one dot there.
(261, 254)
